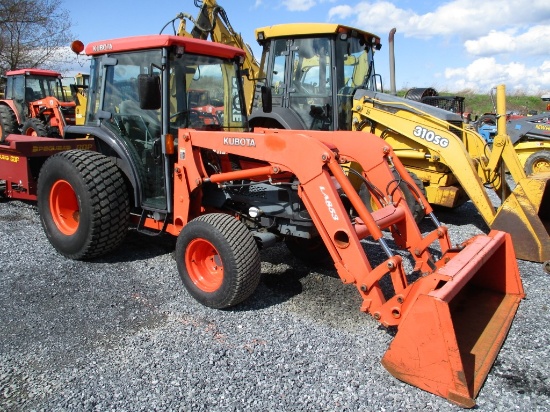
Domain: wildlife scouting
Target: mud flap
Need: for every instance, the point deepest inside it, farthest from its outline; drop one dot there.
(449, 338)
(525, 214)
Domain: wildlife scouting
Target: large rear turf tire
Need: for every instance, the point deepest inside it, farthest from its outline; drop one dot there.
(218, 260)
(83, 204)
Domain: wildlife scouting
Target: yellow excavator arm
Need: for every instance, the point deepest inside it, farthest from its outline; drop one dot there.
(454, 161)
(212, 21)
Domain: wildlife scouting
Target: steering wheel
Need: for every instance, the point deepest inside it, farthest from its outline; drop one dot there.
(195, 119)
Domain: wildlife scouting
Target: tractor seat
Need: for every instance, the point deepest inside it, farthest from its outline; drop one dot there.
(29, 95)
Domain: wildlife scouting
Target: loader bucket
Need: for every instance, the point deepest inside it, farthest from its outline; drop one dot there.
(449, 337)
(525, 214)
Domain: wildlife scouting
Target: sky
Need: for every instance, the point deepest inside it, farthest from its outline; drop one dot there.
(451, 46)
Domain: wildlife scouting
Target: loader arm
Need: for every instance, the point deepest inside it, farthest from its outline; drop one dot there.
(428, 309)
(428, 139)
(443, 154)
(282, 151)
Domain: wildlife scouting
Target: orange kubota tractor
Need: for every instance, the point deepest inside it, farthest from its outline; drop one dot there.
(35, 104)
(146, 158)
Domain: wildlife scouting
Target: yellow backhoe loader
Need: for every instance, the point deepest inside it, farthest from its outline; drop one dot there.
(322, 77)
(79, 91)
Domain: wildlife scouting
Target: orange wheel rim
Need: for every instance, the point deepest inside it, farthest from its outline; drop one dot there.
(204, 265)
(64, 207)
(31, 132)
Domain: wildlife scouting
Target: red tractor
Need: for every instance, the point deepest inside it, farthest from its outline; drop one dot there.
(35, 104)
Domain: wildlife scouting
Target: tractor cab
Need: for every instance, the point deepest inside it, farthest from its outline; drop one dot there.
(29, 85)
(139, 97)
(35, 104)
(311, 72)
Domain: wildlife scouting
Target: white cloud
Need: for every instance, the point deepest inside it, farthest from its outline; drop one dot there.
(485, 73)
(298, 5)
(467, 18)
(536, 40)
(494, 43)
(342, 12)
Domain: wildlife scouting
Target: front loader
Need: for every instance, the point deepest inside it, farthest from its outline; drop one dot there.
(147, 159)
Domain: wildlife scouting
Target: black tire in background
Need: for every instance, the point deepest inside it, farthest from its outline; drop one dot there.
(537, 162)
(83, 204)
(8, 122)
(218, 260)
(34, 127)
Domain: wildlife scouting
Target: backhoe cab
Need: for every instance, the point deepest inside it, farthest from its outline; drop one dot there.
(312, 71)
(35, 104)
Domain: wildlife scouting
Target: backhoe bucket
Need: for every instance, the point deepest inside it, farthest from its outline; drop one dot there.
(525, 214)
(449, 337)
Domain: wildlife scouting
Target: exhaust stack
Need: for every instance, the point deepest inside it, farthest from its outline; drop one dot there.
(393, 89)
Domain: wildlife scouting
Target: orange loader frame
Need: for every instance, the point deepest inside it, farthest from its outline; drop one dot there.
(451, 322)
(50, 108)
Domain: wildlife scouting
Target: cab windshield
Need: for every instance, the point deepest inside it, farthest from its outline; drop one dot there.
(316, 77)
(204, 93)
(39, 87)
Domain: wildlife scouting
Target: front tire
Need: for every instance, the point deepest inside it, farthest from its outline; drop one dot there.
(83, 204)
(34, 127)
(218, 260)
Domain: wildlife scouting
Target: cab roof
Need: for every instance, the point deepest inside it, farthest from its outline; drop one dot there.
(308, 29)
(33, 72)
(136, 43)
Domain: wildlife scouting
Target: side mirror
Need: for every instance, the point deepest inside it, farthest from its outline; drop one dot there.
(149, 92)
(267, 99)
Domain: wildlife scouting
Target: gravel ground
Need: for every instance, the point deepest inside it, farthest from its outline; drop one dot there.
(121, 333)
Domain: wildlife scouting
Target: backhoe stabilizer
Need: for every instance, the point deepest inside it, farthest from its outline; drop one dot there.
(525, 214)
(449, 337)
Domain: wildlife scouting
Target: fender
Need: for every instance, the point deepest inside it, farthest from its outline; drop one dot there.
(108, 142)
